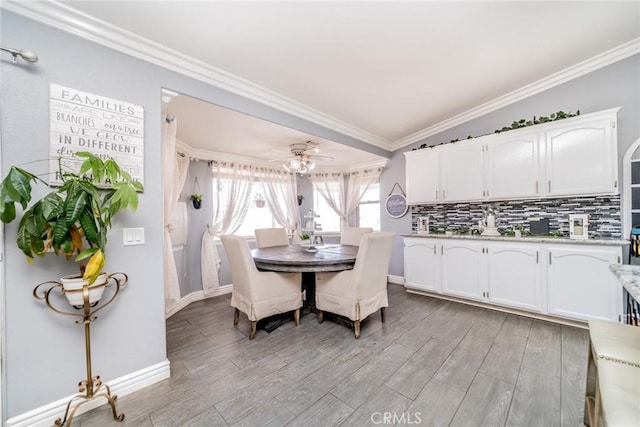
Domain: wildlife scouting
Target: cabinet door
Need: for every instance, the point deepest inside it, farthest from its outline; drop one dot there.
(462, 171)
(582, 159)
(421, 264)
(513, 276)
(463, 269)
(422, 176)
(512, 167)
(580, 284)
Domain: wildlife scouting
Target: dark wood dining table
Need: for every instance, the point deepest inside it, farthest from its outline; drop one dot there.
(296, 258)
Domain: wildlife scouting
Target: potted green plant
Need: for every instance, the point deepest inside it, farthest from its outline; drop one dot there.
(300, 199)
(196, 199)
(74, 219)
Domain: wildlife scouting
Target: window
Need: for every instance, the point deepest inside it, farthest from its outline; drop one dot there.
(256, 217)
(369, 208)
(329, 219)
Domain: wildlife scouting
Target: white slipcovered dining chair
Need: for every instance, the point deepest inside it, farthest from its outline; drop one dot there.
(267, 237)
(259, 294)
(353, 235)
(362, 291)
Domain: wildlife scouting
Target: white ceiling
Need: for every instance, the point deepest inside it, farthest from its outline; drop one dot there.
(387, 71)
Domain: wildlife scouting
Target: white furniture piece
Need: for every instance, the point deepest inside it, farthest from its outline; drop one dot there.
(614, 361)
(360, 292)
(569, 280)
(259, 294)
(268, 237)
(353, 235)
(569, 157)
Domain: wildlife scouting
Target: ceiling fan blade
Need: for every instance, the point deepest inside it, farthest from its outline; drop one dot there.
(317, 157)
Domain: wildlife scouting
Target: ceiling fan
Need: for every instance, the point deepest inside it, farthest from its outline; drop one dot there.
(301, 159)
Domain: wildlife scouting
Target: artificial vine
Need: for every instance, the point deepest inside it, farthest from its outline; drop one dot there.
(522, 123)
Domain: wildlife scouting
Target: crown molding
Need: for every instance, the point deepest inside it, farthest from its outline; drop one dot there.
(72, 21)
(67, 19)
(592, 64)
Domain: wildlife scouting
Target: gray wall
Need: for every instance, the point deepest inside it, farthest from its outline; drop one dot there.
(617, 85)
(45, 351)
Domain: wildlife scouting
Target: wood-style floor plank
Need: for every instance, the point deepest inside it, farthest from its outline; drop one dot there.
(432, 363)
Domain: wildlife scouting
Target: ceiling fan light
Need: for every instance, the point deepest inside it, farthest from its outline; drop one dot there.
(295, 164)
(311, 166)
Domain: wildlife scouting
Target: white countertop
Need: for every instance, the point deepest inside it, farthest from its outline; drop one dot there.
(527, 239)
(629, 276)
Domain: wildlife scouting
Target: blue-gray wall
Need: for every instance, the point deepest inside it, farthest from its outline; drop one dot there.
(45, 351)
(617, 85)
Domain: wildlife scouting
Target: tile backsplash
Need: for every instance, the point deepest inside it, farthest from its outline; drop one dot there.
(604, 214)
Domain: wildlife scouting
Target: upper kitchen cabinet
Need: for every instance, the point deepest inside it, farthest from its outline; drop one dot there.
(570, 157)
(461, 171)
(512, 166)
(423, 176)
(582, 158)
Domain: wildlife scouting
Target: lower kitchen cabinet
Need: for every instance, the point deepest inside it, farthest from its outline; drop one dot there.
(580, 284)
(463, 269)
(513, 276)
(571, 280)
(421, 264)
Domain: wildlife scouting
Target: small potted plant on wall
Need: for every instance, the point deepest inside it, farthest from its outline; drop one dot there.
(196, 199)
(73, 220)
(300, 199)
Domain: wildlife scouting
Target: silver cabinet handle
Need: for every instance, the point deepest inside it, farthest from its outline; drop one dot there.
(549, 258)
(537, 257)
(536, 187)
(549, 186)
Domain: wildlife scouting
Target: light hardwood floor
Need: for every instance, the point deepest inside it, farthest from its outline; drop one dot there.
(433, 363)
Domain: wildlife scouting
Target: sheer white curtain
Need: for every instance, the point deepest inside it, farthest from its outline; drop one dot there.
(174, 174)
(325, 184)
(230, 203)
(359, 183)
(281, 194)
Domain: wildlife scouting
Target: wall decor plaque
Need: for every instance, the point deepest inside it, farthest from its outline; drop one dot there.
(396, 203)
(108, 128)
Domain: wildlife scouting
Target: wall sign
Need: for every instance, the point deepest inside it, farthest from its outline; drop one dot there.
(108, 128)
(396, 203)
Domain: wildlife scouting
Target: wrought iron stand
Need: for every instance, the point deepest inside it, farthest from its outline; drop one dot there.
(91, 387)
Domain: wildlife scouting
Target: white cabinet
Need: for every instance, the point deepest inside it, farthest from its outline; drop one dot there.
(461, 171)
(582, 158)
(571, 281)
(423, 176)
(580, 284)
(512, 166)
(514, 276)
(463, 269)
(570, 157)
(422, 264)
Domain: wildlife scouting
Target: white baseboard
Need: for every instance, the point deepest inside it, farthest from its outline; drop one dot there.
(196, 296)
(46, 415)
(398, 280)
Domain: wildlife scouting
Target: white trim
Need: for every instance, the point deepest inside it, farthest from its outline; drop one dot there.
(85, 26)
(47, 414)
(592, 64)
(196, 296)
(626, 188)
(397, 280)
(72, 21)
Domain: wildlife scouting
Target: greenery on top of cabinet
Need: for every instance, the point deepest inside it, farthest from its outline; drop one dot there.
(517, 124)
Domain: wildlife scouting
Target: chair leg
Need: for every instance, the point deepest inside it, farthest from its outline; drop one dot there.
(320, 316)
(236, 315)
(383, 314)
(356, 329)
(296, 316)
(252, 334)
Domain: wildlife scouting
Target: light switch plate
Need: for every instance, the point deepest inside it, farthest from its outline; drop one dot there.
(133, 236)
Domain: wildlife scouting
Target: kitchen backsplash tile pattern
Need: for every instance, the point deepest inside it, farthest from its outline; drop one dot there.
(604, 214)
